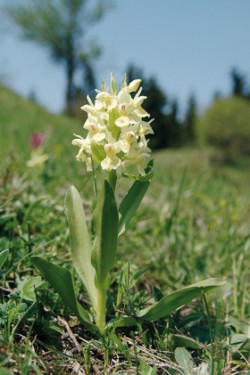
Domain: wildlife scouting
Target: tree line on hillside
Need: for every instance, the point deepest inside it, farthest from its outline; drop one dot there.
(225, 125)
(169, 129)
(60, 26)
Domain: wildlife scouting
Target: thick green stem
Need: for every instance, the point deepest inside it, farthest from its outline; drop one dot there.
(101, 310)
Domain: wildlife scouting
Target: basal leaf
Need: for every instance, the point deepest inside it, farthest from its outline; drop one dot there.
(171, 302)
(184, 359)
(122, 321)
(80, 242)
(61, 280)
(185, 341)
(106, 227)
(131, 202)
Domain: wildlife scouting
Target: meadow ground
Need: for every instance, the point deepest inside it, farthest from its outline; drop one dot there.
(193, 224)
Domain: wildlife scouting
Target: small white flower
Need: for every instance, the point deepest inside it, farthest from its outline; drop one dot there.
(108, 101)
(84, 145)
(96, 129)
(122, 121)
(137, 159)
(111, 161)
(127, 141)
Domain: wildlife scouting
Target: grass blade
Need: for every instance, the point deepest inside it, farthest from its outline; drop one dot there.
(3, 257)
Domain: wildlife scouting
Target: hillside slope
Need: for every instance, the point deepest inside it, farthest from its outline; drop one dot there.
(19, 118)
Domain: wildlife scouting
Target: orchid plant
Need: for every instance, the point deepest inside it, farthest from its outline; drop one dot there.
(115, 146)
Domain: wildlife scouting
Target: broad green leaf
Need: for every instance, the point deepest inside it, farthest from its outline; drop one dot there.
(185, 341)
(131, 202)
(61, 280)
(106, 227)
(184, 359)
(80, 242)
(3, 257)
(171, 302)
(122, 321)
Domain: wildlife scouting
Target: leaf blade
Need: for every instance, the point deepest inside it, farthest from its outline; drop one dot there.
(184, 359)
(171, 302)
(106, 225)
(80, 242)
(131, 202)
(61, 280)
(122, 321)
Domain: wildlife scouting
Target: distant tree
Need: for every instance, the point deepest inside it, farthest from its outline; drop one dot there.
(155, 105)
(168, 129)
(174, 127)
(217, 95)
(239, 84)
(225, 126)
(190, 119)
(60, 26)
(32, 96)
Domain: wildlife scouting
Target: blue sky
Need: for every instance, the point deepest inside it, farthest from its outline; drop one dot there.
(190, 46)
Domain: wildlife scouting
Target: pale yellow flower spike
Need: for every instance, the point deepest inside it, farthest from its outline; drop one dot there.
(116, 129)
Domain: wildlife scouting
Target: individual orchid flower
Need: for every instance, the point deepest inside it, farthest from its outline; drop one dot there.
(96, 128)
(125, 143)
(108, 101)
(84, 145)
(111, 161)
(137, 159)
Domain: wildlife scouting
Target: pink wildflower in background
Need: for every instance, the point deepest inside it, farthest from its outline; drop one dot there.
(38, 158)
(37, 139)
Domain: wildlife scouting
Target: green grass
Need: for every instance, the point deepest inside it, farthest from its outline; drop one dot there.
(194, 223)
